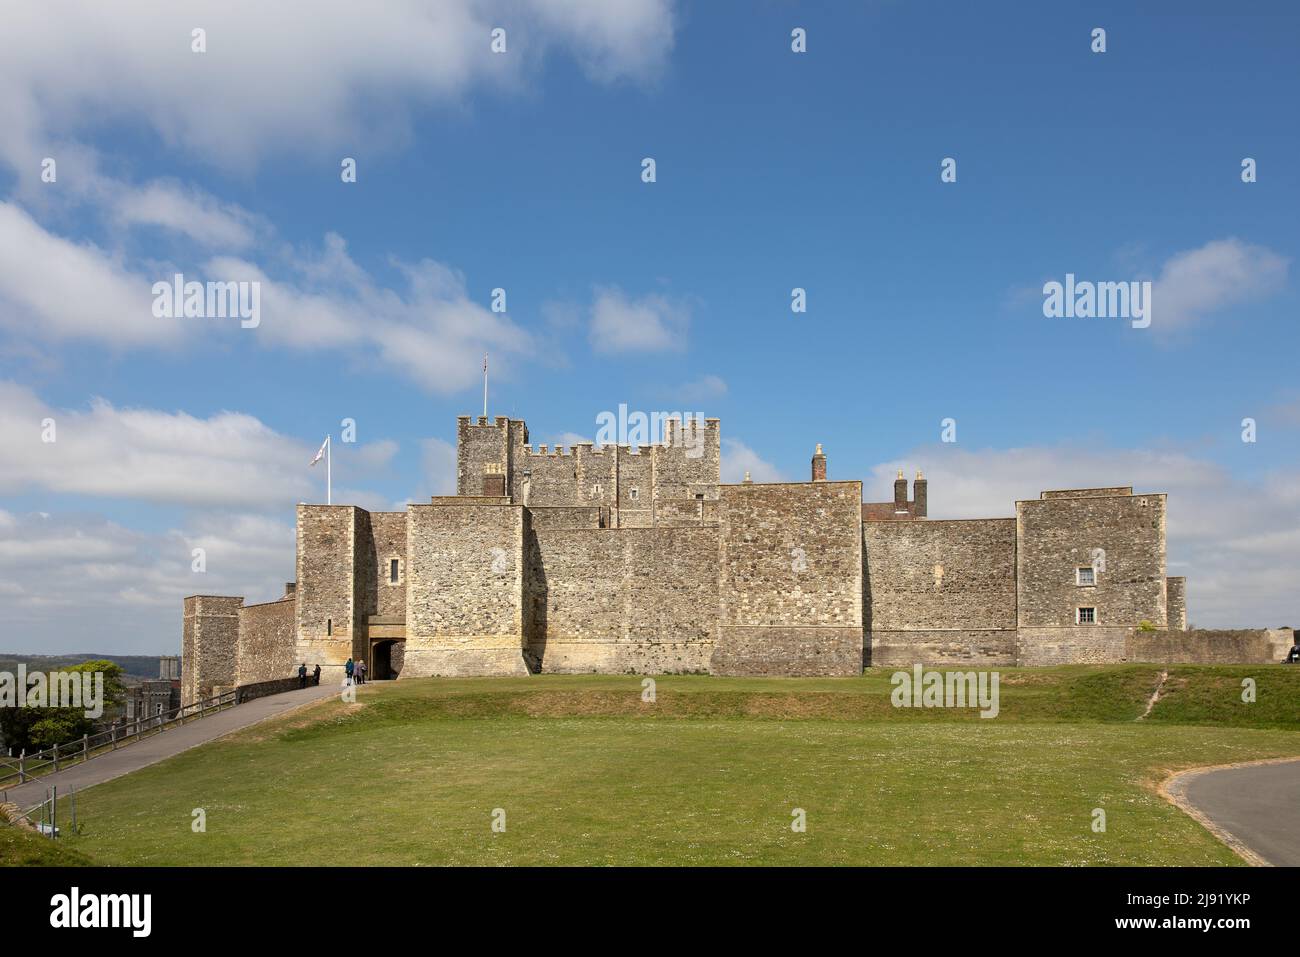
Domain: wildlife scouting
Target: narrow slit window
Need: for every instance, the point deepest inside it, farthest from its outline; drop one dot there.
(329, 626)
(392, 571)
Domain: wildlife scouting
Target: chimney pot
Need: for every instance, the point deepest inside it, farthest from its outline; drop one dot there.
(819, 465)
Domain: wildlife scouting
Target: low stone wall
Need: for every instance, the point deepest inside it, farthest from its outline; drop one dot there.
(1073, 645)
(1211, 646)
(989, 647)
(262, 689)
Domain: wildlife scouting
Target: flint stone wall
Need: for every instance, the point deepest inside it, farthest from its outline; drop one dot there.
(790, 580)
(940, 592)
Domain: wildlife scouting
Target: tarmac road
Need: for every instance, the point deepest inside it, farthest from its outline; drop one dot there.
(1259, 805)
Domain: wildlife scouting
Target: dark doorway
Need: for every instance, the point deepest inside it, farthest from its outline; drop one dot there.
(387, 658)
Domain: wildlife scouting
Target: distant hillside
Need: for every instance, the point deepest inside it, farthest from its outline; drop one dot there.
(138, 666)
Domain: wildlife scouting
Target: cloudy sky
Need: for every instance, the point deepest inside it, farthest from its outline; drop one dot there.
(523, 171)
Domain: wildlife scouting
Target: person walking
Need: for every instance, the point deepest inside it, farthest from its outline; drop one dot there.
(349, 668)
(361, 671)
(315, 675)
(302, 675)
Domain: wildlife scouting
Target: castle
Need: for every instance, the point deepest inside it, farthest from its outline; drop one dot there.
(621, 559)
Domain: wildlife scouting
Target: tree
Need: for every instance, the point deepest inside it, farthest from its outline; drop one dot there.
(33, 729)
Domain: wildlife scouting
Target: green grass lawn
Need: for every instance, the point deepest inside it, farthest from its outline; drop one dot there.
(20, 847)
(588, 773)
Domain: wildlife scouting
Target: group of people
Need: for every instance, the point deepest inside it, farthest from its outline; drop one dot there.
(355, 670)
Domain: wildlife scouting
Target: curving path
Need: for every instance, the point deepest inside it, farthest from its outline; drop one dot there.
(161, 746)
(1253, 808)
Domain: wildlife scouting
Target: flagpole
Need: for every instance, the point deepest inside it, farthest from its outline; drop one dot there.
(329, 485)
(485, 385)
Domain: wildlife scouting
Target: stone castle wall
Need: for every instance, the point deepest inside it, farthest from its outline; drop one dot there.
(1176, 601)
(387, 544)
(268, 642)
(940, 591)
(790, 581)
(330, 570)
(621, 600)
(1211, 646)
(209, 644)
(464, 593)
(1120, 536)
(637, 559)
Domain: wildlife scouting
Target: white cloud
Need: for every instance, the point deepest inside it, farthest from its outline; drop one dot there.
(186, 210)
(53, 289)
(1238, 542)
(228, 460)
(1222, 273)
(652, 323)
(82, 583)
(700, 390)
(738, 458)
(276, 78)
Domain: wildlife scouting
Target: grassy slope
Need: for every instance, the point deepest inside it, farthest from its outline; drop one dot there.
(20, 847)
(709, 773)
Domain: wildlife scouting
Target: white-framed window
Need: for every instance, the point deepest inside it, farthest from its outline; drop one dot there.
(1085, 575)
(1085, 616)
(633, 493)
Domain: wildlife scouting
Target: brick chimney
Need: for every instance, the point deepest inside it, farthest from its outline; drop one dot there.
(920, 490)
(819, 465)
(900, 493)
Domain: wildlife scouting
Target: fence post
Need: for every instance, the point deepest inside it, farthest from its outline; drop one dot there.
(56, 757)
(22, 763)
(85, 746)
(114, 733)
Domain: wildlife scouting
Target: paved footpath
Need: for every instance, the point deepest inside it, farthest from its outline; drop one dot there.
(173, 741)
(1259, 805)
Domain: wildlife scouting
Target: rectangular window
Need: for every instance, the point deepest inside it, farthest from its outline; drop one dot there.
(1086, 576)
(392, 571)
(329, 626)
(1086, 616)
(632, 493)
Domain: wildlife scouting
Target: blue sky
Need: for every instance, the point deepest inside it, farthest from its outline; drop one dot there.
(522, 171)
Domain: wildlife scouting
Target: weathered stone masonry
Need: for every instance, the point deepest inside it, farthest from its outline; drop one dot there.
(639, 560)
